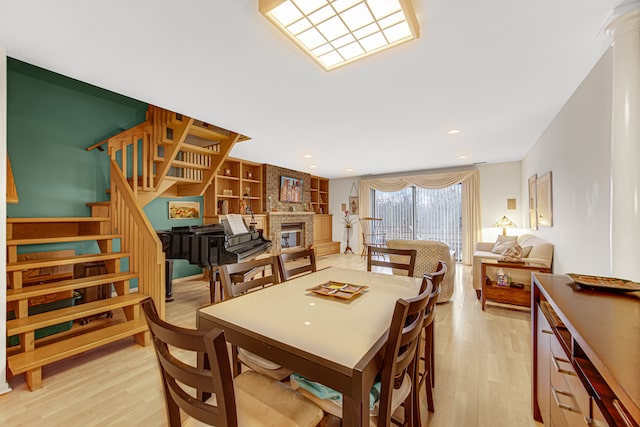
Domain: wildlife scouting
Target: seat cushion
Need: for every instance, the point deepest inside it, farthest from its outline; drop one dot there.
(334, 406)
(264, 402)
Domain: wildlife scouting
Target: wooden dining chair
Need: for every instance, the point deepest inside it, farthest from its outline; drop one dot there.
(393, 262)
(242, 277)
(398, 365)
(437, 278)
(238, 279)
(250, 399)
(294, 267)
(425, 376)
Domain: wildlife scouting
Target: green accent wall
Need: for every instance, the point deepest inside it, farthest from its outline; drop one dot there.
(51, 120)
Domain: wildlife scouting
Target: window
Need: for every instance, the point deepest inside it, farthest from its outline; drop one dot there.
(416, 213)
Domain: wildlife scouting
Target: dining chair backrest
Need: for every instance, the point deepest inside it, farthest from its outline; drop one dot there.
(241, 277)
(431, 306)
(372, 233)
(438, 276)
(292, 258)
(400, 350)
(409, 254)
(176, 373)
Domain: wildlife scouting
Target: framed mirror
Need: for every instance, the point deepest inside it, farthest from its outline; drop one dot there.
(533, 213)
(544, 198)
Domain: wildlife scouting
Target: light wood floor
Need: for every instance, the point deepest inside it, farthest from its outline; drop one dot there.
(483, 369)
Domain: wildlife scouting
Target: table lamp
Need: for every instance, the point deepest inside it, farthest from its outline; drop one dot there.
(503, 223)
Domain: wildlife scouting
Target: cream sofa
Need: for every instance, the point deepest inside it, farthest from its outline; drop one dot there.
(429, 252)
(541, 251)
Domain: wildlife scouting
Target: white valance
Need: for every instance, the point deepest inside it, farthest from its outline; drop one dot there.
(470, 180)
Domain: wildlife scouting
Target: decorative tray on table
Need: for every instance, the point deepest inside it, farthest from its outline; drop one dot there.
(338, 290)
(606, 284)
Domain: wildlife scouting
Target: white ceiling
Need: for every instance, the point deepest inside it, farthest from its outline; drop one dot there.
(499, 70)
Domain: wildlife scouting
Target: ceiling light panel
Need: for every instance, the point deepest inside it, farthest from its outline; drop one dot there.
(337, 32)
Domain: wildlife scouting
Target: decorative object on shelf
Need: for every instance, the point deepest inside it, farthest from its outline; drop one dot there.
(504, 223)
(249, 175)
(544, 201)
(227, 192)
(533, 209)
(184, 210)
(604, 284)
(348, 225)
(354, 202)
(247, 201)
(225, 207)
(227, 172)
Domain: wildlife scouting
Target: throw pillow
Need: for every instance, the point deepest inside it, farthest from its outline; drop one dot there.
(514, 252)
(503, 243)
(526, 251)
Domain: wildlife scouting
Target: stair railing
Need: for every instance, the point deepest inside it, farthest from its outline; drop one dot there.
(138, 238)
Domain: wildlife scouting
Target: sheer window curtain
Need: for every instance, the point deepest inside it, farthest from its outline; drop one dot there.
(470, 180)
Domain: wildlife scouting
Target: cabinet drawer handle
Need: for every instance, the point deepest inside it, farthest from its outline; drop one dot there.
(557, 399)
(623, 415)
(547, 331)
(555, 361)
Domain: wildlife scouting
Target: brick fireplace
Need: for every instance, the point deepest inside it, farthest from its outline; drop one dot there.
(300, 223)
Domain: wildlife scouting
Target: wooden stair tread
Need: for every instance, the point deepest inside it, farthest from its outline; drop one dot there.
(199, 150)
(65, 239)
(183, 164)
(57, 219)
(54, 317)
(53, 262)
(66, 285)
(180, 179)
(23, 362)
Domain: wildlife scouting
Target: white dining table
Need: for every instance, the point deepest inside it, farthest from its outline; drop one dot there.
(332, 341)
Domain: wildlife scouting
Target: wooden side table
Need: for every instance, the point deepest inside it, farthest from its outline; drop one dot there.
(519, 272)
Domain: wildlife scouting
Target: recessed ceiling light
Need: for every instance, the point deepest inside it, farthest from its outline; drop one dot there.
(312, 166)
(453, 131)
(308, 156)
(463, 157)
(349, 170)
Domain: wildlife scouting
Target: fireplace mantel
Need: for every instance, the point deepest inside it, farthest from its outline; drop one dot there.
(290, 213)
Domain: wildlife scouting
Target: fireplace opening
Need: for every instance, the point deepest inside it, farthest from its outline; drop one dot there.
(291, 235)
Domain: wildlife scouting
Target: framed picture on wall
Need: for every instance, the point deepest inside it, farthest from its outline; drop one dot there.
(533, 208)
(184, 210)
(290, 189)
(354, 205)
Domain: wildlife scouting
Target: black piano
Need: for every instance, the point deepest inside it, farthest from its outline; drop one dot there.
(209, 246)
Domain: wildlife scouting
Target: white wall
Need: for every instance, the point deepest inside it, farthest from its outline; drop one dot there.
(339, 190)
(576, 148)
(499, 182)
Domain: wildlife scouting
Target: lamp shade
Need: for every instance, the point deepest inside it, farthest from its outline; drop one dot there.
(504, 223)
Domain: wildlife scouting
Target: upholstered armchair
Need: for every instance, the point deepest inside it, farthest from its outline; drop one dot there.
(429, 253)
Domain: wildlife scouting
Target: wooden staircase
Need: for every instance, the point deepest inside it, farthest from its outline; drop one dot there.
(30, 355)
(169, 154)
